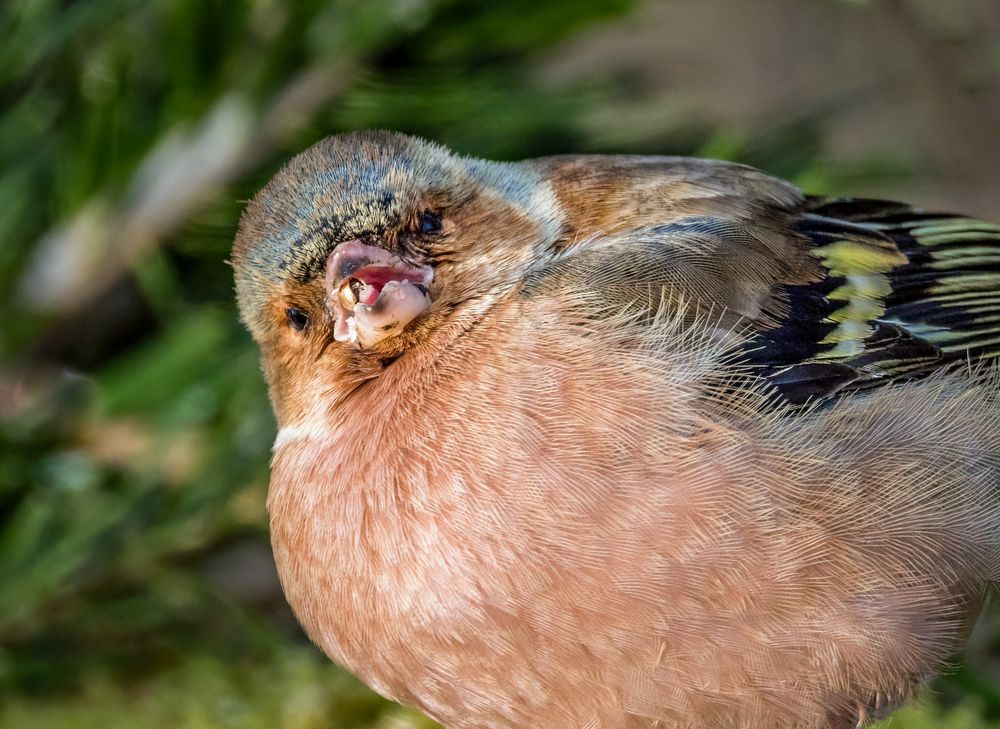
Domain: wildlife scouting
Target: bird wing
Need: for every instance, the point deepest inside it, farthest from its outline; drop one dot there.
(934, 302)
(838, 293)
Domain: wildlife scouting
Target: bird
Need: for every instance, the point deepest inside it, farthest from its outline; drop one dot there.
(616, 441)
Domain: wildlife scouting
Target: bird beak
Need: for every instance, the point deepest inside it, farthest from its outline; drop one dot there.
(372, 293)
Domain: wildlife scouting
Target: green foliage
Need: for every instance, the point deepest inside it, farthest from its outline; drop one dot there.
(295, 690)
(134, 425)
(929, 717)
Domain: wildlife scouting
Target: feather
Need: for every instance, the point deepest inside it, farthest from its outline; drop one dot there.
(636, 465)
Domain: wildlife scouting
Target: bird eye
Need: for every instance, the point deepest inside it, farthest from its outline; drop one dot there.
(297, 319)
(430, 222)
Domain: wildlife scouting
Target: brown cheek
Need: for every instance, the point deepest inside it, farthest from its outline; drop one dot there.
(504, 234)
(280, 373)
(282, 359)
(306, 368)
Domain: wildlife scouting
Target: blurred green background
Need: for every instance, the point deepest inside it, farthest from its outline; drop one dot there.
(136, 585)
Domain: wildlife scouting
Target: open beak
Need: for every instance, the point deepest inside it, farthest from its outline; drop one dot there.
(373, 293)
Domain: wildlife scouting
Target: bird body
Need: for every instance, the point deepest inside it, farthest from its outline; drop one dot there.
(645, 442)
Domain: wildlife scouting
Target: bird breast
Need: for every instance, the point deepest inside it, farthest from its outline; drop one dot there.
(532, 533)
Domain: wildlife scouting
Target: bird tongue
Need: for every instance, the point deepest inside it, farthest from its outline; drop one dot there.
(388, 292)
(374, 279)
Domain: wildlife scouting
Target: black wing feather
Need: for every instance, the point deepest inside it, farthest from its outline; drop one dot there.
(904, 293)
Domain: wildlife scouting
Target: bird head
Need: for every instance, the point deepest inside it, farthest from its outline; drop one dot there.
(367, 244)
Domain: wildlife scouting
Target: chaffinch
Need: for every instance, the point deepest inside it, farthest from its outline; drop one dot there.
(612, 441)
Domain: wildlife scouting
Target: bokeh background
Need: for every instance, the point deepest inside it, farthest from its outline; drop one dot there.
(136, 584)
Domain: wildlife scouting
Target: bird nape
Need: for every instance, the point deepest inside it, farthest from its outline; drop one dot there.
(611, 441)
